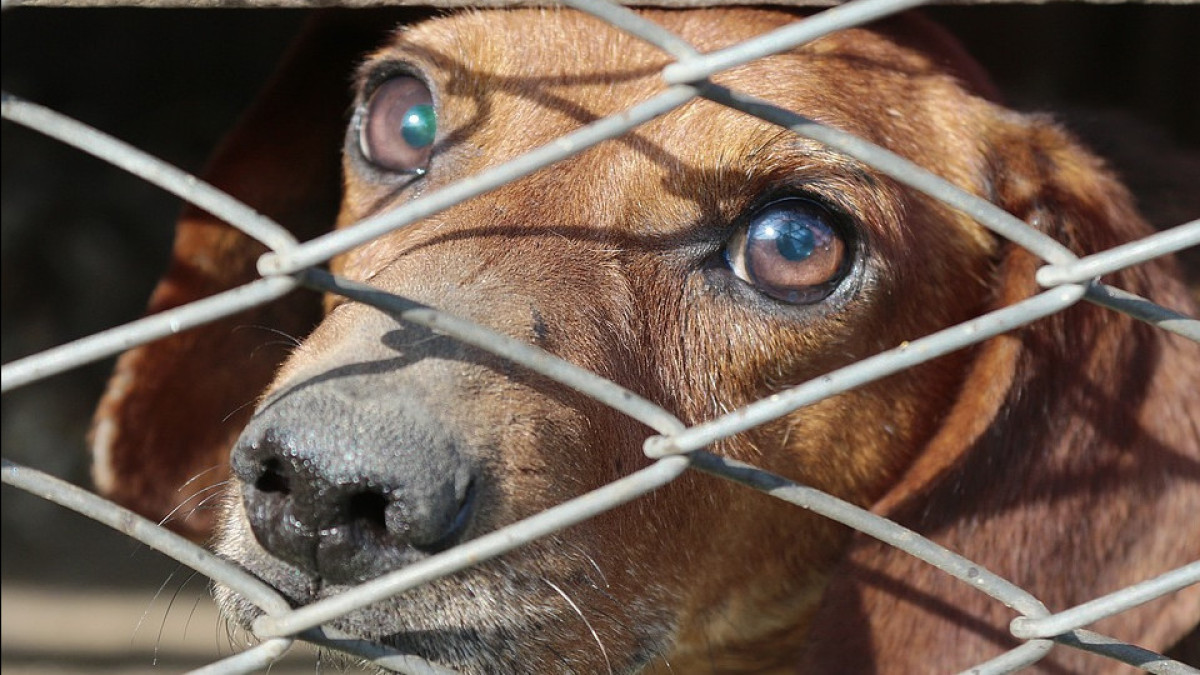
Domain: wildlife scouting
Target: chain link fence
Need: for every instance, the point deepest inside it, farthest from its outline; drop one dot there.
(676, 448)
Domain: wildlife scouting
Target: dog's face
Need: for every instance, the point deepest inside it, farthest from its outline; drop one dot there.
(704, 261)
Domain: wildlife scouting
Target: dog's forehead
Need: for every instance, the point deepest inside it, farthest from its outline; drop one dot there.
(552, 41)
(508, 81)
(582, 67)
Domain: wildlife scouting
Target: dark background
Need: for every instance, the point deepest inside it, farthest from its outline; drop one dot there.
(83, 242)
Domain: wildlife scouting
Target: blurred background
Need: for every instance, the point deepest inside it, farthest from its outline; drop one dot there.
(83, 244)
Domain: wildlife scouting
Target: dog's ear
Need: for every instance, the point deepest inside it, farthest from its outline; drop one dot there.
(1068, 463)
(173, 408)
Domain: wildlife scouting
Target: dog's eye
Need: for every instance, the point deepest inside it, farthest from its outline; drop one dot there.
(398, 126)
(790, 250)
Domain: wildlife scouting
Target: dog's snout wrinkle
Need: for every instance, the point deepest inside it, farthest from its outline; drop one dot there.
(344, 498)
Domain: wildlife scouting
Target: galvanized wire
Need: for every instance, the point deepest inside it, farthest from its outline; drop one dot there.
(1120, 257)
(1124, 652)
(633, 23)
(258, 657)
(482, 548)
(899, 169)
(864, 371)
(533, 358)
(323, 248)
(676, 448)
(116, 340)
(848, 15)
(153, 535)
(872, 525)
(1028, 627)
(1143, 310)
(148, 168)
(378, 655)
(1013, 660)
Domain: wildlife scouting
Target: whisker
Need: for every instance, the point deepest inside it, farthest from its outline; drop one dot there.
(146, 613)
(195, 605)
(214, 488)
(228, 641)
(595, 635)
(232, 630)
(198, 475)
(275, 343)
(162, 626)
(290, 339)
(210, 498)
(238, 409)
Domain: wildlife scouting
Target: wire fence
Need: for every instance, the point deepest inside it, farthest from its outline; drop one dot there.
(676, 448)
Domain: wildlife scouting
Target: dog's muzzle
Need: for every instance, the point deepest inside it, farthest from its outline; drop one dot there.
(345, 483)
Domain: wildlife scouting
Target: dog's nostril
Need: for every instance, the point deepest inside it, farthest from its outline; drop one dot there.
(368, 508)
(272, 478)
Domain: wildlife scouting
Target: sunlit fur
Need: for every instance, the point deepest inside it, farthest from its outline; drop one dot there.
(1062, 456)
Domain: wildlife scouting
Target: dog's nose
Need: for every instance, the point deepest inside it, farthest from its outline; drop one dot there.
(348, 490)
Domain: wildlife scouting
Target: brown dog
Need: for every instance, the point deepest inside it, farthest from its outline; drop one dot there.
(704, 261)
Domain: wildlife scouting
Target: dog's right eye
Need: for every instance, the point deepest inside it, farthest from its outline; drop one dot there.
(792, 250)
(398, 125)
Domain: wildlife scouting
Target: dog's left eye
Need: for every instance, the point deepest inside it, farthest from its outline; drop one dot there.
(398, 125)
(791, 250)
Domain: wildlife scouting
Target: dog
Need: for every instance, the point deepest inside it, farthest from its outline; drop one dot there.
(704, 261)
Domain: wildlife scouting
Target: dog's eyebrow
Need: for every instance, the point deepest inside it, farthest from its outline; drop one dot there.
(785, 160)
(376, 69)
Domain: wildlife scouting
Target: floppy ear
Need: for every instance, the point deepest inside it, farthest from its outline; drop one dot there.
(1068, 464)
(173, 408)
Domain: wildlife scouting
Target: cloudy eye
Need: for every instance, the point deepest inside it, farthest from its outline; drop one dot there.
(397, 126)
(791, 250)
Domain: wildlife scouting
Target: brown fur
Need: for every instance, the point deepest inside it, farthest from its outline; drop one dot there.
(1063, 456)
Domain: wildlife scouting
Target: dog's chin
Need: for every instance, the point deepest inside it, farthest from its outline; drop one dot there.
(505, 615)
(441, 635)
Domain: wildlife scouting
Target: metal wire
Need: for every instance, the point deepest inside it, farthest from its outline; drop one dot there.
(1027, 627)
(872, 525)
(633, 23)
(896, 167)
(148, 168)
(533, 358)
(1125, 653)
(676, 448)
(1013, 660)
(864, 371)
(1120, 257)
(378, 655)
(159, 538)
(116, 340)
(323, 248)
(483, 548)
(1143, 310)
(845, 16)
(255, 658)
